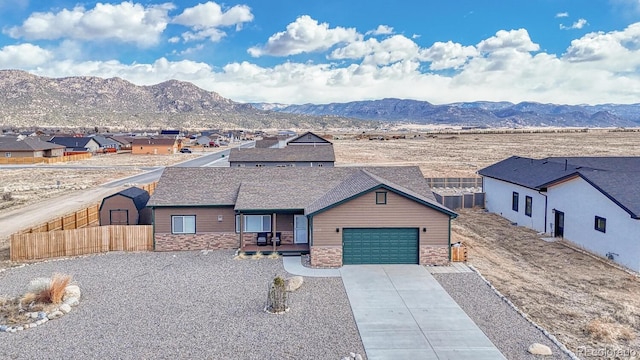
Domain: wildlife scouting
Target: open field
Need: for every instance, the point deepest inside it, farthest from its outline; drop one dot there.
(445, 155)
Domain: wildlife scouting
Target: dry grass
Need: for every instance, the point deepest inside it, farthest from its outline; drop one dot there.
(464, 154)
(241, 256)
(273, 255)
(257, 255)
(47, 291)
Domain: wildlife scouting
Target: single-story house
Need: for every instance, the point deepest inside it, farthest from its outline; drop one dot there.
(340, 215)
(593, 202)
(11, 147)
(309, 138)
(76, 144)
(156, 146)
(126, 207)
(106, 143)
(124, 141)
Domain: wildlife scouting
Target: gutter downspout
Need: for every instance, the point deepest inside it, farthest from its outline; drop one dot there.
(153, 224)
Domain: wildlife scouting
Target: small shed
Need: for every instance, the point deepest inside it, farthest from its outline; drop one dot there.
(127, 207)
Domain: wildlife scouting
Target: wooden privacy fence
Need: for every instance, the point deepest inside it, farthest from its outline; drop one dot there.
(86, 217)
(459, 253)
(150, 188)
(43, 160)
(98, 239)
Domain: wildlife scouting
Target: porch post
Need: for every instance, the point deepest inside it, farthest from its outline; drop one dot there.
(273, 231)
(241, 231)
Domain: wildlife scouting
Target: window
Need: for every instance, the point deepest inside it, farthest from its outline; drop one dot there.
(7, 154)
(515, 199)
(255, 223)
(183, 224)
(601, 224)
(528, 205)
(381, 197)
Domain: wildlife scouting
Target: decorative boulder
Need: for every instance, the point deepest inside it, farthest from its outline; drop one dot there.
(72, 301)
(293, 283)
(55, 315)
(65, 308)
(539, 349)
(71, 291)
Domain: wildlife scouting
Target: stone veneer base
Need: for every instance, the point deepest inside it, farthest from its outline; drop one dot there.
(326, 256)
(434, 255)
(202, 241)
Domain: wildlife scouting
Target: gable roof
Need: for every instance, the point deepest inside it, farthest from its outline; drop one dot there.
(309, 138)
(153, 141)
(614, 177)
(286, 154)
(26, 144)
(295, 188)
(104, 141)
(140, 197)
(72, 142)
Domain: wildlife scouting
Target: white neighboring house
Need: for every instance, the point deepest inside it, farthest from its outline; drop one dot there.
(593, 202)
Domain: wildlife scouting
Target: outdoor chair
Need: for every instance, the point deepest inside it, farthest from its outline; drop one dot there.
(261, 239)
(277, 238)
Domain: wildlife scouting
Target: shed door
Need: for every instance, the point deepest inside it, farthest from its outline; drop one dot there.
(380, 246)
(119, 217)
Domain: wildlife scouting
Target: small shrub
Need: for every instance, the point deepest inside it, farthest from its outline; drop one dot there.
(257, 255)
(52, 292)
(277, 298)
(597, 330)
(273, 255)
(241, 256)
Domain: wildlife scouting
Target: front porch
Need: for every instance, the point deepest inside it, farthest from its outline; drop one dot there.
(283, 249)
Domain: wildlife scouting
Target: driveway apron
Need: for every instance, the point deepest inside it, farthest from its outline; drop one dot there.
(402, 312)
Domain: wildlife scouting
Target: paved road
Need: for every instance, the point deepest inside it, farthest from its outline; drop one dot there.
(402, 312)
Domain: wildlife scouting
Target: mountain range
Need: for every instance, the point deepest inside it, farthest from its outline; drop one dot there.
(477, 114)
(27, 100)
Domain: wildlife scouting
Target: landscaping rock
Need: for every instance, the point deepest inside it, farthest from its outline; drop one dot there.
(539, 349)
(65, 308)
(358, 357)
(293, 283)
(42, 315)
(71, 291)
(3, 328)
(55, 315)
(72, 301)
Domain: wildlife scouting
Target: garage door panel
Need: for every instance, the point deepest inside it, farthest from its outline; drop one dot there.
(380, 246)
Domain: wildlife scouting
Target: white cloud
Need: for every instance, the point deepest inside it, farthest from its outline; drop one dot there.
(615, 50)
(125, 22)
(24, 55)
(206, 19)
(517, 40)
(372, 51)
(381, 30)
(448, 55)
(579, 24)
(562, 15)
(305, 35)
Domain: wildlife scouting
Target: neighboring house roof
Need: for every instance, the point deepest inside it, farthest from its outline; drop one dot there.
(286, 154)
(140, 197)
(26, 144)
(271, 188)
(309, 138)
(104, 141)
(266, 143)
(72, 142)
(153, 141)
(615, 177)
(124, 140)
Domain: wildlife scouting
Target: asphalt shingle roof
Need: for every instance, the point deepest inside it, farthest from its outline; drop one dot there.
(71, 142)
(616, 177)
(306, 153)
(272, 188)
(26, 144)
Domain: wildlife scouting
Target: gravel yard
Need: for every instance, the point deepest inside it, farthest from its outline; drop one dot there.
(183, 305)
(507, 329)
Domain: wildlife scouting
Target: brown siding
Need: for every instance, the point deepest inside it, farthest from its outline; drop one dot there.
(206, 218)
(362, 212)
(118, 202)
(284, 222)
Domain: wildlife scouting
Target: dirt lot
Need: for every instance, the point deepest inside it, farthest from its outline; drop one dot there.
(462, 155)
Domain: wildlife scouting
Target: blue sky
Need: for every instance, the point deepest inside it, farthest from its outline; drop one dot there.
(293, 51)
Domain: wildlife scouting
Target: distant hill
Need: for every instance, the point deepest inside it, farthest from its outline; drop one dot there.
(28, 100)
(481, 113)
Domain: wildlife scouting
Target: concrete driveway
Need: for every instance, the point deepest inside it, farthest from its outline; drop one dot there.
(403, 313)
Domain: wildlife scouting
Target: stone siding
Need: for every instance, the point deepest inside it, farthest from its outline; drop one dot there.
(434, 255)
(202, 241)
(326, 256)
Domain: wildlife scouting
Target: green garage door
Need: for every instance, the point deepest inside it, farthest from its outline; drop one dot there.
(380, 246)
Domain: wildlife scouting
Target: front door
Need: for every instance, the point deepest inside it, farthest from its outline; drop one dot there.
(300, 231)
(559, 227)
